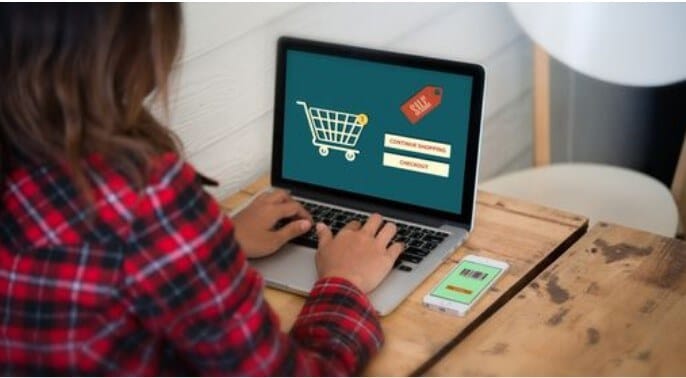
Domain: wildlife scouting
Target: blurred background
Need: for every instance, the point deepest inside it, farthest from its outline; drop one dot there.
(225, 80)
(222, 105)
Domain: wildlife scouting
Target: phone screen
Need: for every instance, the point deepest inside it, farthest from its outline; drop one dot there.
(466, 282)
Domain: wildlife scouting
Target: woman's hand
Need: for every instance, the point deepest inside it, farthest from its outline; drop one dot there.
(255, 224)
(360, 254)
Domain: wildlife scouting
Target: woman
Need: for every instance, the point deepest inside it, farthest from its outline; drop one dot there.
(113, 260)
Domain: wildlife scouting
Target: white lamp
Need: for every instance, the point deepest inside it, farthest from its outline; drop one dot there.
(626, 44)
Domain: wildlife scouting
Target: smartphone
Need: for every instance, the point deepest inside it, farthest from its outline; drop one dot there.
(465, 284)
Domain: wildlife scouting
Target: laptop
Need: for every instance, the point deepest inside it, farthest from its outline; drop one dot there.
(358, 131)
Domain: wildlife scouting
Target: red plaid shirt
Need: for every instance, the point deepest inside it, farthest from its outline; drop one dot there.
(152, 282)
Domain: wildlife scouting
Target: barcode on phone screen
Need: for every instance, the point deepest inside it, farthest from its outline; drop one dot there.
(473, 274)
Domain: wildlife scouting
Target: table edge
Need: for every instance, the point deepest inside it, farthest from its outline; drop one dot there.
(503, 299)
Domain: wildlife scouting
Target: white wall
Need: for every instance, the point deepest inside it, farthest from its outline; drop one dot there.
(222, 107)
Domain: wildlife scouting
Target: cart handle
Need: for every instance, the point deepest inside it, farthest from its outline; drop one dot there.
(309, 119)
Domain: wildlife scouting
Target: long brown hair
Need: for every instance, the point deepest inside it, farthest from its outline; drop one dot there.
(74, 79)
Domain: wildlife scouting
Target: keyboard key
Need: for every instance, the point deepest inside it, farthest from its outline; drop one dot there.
(403, 232)
(404, 268)
(433, 239)
(305, 242)
(416, 235)
(415, 243)
(429, 246)
(419, 242)
(410, 258)
(416, 252)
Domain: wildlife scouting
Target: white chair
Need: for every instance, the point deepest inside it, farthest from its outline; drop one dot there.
(599, 40)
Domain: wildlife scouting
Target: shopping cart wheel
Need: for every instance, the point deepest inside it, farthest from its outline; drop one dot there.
(350, 155)
(323, 150)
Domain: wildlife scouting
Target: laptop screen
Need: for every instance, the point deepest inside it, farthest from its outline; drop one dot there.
(383, 130)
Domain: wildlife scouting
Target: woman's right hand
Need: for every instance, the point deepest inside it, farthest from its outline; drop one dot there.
(358, 253)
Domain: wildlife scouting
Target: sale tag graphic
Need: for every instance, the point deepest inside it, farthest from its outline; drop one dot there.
(422, 103)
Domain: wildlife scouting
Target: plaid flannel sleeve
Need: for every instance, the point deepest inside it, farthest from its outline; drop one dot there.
(190, 284)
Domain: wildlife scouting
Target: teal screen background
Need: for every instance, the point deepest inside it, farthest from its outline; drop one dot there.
(377, 90)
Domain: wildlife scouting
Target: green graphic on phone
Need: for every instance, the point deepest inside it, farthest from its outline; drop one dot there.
(466, 282)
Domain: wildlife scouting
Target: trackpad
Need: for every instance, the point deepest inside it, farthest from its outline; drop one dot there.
(292, 268)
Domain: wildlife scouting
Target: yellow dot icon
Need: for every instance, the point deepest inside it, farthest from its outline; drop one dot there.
(362, 119)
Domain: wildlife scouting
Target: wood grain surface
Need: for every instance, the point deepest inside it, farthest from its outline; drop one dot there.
(527, 236)
(614, 304)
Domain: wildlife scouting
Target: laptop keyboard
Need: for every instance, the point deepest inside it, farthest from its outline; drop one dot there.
(419, 242)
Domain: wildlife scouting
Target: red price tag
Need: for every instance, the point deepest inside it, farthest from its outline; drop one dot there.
(422, 103)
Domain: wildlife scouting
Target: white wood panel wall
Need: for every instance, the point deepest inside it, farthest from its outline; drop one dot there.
(224, 83)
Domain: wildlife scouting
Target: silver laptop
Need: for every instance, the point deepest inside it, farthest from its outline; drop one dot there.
(358, 131)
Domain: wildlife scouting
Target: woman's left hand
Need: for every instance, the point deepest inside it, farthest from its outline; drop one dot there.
(255, 224)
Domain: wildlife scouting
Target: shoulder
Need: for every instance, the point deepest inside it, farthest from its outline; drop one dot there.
(174, 201)
(171, 184)
(119, 202)
(162, 170)
(168, 169)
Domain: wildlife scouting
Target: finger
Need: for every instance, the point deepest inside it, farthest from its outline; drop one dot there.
(373, 223)
(395, 250)
(386, 234)
(302, 212)
(353, 225)
(277, 196)
(290, 209)
(324, 234)
(292, 230)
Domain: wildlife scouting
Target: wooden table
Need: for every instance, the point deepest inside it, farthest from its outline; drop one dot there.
(527, 236)
(614, 304)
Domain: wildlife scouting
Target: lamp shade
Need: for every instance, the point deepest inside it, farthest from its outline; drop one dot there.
(628, 44)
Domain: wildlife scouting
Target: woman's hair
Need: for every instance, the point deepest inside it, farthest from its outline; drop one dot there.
(74, 79)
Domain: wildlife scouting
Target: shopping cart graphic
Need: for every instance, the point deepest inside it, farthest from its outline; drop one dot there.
(336, 130)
